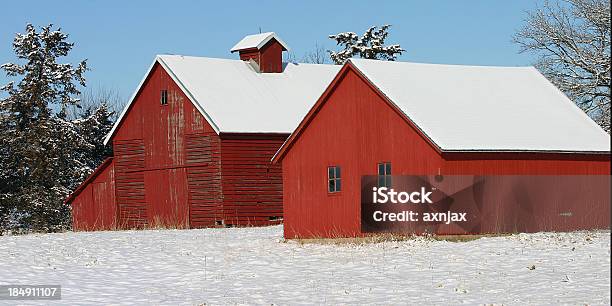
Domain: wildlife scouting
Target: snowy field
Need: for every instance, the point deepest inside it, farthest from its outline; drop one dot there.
(255, 266)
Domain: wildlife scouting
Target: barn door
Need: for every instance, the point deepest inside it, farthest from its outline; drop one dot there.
(203, 179)
(129, 179)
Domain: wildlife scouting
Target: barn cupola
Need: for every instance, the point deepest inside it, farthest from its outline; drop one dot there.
(264, 51)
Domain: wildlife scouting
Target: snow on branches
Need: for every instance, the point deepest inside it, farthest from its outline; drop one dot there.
(572, 40)
(43, 153)
(370, 45)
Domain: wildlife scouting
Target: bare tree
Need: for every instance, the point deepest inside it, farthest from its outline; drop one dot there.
(318, 55)
(290, 57)
(92, 99)
(572, 40)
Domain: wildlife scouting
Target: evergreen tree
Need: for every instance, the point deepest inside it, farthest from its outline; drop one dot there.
(37, 164)
(94, 124)
(370, 45)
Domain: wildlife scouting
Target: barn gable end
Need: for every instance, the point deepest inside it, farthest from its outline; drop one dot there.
(355, 126)
(192, 176)
(167, 162)
(347, 128)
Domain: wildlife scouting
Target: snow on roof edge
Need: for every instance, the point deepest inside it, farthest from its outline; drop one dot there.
(158, 59)
(567, 99)
(242, 44)
(127, 106)
(448, 150)
(189, 95)
(380, 90)
(352, 59)
(355, 64)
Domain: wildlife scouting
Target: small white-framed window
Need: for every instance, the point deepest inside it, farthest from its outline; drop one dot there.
(334, 179)
(384, 174)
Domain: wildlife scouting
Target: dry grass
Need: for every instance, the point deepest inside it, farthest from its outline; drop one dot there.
(465, 238)
(378, 238)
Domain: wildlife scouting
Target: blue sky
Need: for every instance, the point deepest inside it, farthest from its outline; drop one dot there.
(121, 38)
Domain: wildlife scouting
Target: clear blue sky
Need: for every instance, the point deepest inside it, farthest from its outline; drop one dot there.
(121, 38)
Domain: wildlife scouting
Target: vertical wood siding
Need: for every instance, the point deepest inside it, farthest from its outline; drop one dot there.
(355, 129)
(168, 167)
(269, 57)
(181, 156)
(94, 207)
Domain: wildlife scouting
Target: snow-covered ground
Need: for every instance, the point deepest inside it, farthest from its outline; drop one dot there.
(255, 266)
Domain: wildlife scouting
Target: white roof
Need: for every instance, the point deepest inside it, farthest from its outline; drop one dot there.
(477, 108)
(257, 41)
(235, 98)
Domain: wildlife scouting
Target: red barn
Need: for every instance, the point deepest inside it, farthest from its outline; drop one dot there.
(427, 119)
(192, 148)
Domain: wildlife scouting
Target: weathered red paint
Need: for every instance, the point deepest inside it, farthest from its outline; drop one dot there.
(171, 169)
(252, 186)
(354, 126)
(93, 202)
(269, 57)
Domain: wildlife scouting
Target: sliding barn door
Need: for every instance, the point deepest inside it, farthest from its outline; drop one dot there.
(130, 183)
(203, 179)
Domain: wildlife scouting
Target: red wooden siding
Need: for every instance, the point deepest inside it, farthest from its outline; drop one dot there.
(93, 204)
(166, 197)
(181, 156)
(356, 129)
(204, 179)
(269, 57)
(130, 182)
(252, 186)
(248, 54)
(173, 170)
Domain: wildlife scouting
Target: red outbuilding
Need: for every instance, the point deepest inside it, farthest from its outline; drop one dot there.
(394, 118)
(192, 148)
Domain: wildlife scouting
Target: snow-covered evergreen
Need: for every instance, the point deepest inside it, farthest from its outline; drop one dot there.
(44, 154)
(370, 45)
(92, 126)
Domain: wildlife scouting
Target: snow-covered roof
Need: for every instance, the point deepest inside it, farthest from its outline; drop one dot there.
(257, 41)
(233, 97)
(481, 108)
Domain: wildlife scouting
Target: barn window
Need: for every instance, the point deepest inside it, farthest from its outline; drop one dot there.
(384, 174)
(163, 99)
(334, 179)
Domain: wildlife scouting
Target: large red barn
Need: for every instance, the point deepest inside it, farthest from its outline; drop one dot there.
(192, 148)
(426, 119)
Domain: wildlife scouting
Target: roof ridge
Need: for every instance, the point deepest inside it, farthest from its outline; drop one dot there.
(356, 60)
